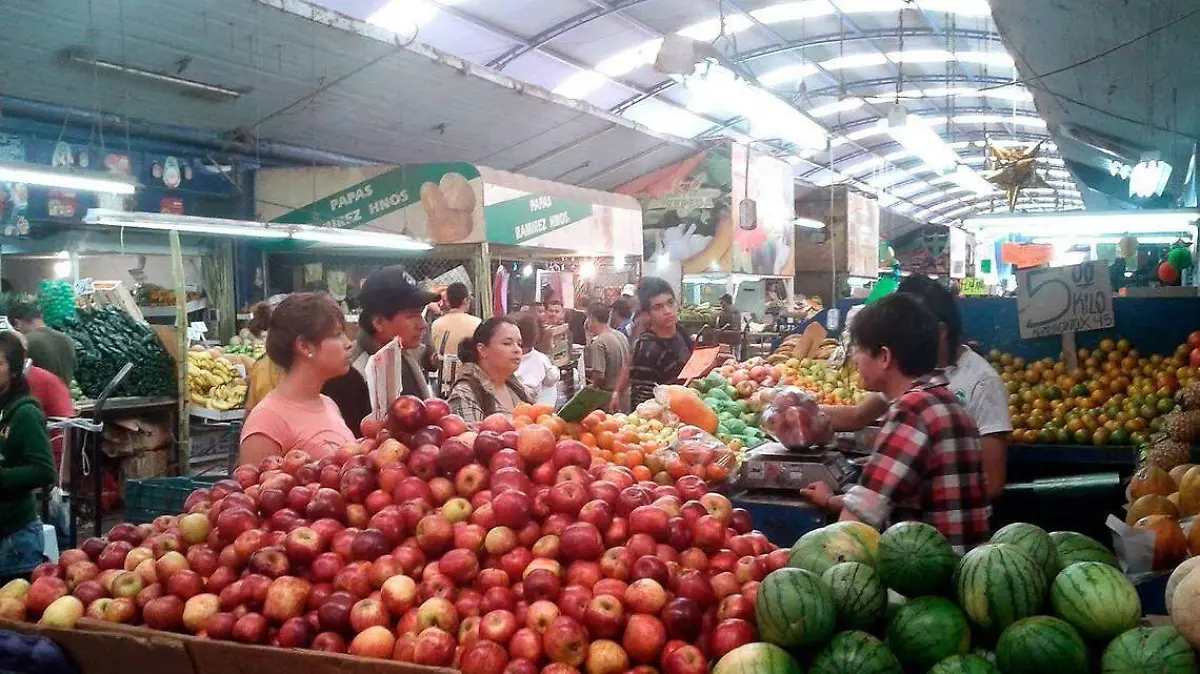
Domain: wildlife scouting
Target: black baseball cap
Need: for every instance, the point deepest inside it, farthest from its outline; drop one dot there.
(388, 291)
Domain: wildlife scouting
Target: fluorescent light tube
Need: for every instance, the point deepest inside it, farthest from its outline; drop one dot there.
(182, 223)
(911, 132)
(1091, 223)
(358, 238)
(66, 178)
(173, 80)
(808, 223)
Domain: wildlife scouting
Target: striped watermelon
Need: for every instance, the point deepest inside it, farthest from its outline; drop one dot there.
(1096, 599)
(859, 596)
(915, 559)
(820, 549)
(1033, 541)
(1149, 650)
(927, 630)
(1071, 547)
(999, 584)
(855, 653)
(757, 657)
(964, 664)
(1041, 645)
(865, 533)
(794, 608)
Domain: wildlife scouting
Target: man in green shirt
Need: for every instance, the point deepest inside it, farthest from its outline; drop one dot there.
(49, 349)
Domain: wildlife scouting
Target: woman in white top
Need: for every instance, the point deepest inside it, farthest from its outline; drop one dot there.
(972, 379)
(536, 372)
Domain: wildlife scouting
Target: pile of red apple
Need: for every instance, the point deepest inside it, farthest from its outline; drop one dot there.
(492, 550)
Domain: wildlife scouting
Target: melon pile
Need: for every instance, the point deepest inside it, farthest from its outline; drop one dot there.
(853, 601)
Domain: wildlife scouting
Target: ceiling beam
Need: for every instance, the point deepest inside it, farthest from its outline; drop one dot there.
(536, 42)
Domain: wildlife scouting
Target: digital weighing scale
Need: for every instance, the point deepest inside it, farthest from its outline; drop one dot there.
(772, 476)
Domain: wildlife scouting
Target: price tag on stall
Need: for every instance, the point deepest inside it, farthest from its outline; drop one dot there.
(973, 287)
(1058, 300)
(196, 331)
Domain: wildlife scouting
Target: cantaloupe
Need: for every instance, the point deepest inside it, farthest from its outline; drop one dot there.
(1189, 492)
(1178, 471)
(1185, 609)
(1150, 504)
(1177, 577)
(1150, 480)
(1170, 544)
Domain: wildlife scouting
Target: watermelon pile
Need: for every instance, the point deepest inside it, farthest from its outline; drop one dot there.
(854, 601)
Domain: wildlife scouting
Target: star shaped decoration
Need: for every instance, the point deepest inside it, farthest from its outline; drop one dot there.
(1013, 169)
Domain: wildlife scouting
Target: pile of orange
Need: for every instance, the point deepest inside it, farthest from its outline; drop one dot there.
(601, 432)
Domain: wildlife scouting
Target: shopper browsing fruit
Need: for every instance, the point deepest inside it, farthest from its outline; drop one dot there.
(971, 378)
(392, 308)
(660, 350)
(607, 354)
(488, 383)
(307, 339)
(26, 462)
(927, 464)
(48, 348)
(448, 331)
(537, 372)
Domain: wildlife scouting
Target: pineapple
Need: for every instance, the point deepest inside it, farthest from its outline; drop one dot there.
(1189, 396)
(1182, 426)
(1166, 453)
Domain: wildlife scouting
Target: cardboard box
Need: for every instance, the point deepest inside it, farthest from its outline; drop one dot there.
(98, 647)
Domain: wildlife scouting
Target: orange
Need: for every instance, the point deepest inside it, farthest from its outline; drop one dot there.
(642, 473)
(523, 410)
(556, 425)
(587, 439)
(676, 469)
(539, 410)
(717, 473)
(635, 457)
(521, 422)
(604, 439)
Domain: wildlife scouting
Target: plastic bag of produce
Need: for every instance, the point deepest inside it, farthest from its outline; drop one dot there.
(685, 403)
(698, 453)
(796, 420)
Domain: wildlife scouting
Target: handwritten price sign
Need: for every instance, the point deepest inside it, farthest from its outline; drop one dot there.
(1057, 300)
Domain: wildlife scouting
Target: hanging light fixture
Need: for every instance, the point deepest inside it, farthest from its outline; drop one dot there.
(66, 178)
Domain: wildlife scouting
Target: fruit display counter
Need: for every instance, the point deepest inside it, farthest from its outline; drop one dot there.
(508, 548)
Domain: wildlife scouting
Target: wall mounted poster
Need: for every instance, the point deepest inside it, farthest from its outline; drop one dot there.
(763, 246)
(687, 221)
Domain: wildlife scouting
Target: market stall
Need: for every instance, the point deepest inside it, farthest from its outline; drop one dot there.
(510, 238)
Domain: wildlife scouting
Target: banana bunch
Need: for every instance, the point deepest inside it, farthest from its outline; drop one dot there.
(213, 382)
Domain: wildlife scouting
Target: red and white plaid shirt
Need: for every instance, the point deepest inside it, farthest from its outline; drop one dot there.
(927, 466)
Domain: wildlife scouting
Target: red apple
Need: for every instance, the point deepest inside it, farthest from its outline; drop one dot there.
(645, 596)
(541, 584)
(435, 534)
(687, 659)
(483, 657)
(526, 644)
(434, 647)
(512, 509)
(407, 413)
(606, 657)
(375, 641)
(461, 565)
(398, 594)
(329, 642)
(541, 614)
(566, 641)
(497, 423)
(164, 613)
(535, 443)
(644, 638)
(508, 478)
(185, 584)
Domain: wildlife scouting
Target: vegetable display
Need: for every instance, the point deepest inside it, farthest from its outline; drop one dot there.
(105, 339)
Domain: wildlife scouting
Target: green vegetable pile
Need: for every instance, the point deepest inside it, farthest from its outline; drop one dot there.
(105, 339)
(737, 419)
(56, 299)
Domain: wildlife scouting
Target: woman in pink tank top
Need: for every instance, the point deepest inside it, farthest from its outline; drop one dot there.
(307, 339)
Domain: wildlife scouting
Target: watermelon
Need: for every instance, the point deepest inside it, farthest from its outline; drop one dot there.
(915, 559)
(1149, 650)
(927, 630)
(794, 608)
(999, 584)
(964, 664)
(865, 533)
(820, 549)
(1033, 541)
(859, 596)
(1071, 547)
(855, 653)
(1041, 645)
(757, 657)
(1096, 599)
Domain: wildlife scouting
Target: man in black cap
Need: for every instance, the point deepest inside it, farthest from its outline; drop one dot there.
(392, 308)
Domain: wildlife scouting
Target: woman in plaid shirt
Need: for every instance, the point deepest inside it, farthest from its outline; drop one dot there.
(927, 464)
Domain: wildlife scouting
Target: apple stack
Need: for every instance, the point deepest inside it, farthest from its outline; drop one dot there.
(494, 550)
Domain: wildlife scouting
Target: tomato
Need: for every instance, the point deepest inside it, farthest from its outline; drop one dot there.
(1193, 341)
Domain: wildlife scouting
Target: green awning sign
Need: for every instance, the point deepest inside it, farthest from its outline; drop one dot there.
(519, 220)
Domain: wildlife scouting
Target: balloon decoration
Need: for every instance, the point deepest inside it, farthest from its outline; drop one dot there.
(1180, 258)
(1167, 274)
(1012, 170)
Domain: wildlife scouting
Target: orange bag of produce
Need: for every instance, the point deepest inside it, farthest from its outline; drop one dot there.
(695, 452)
(687, 405)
